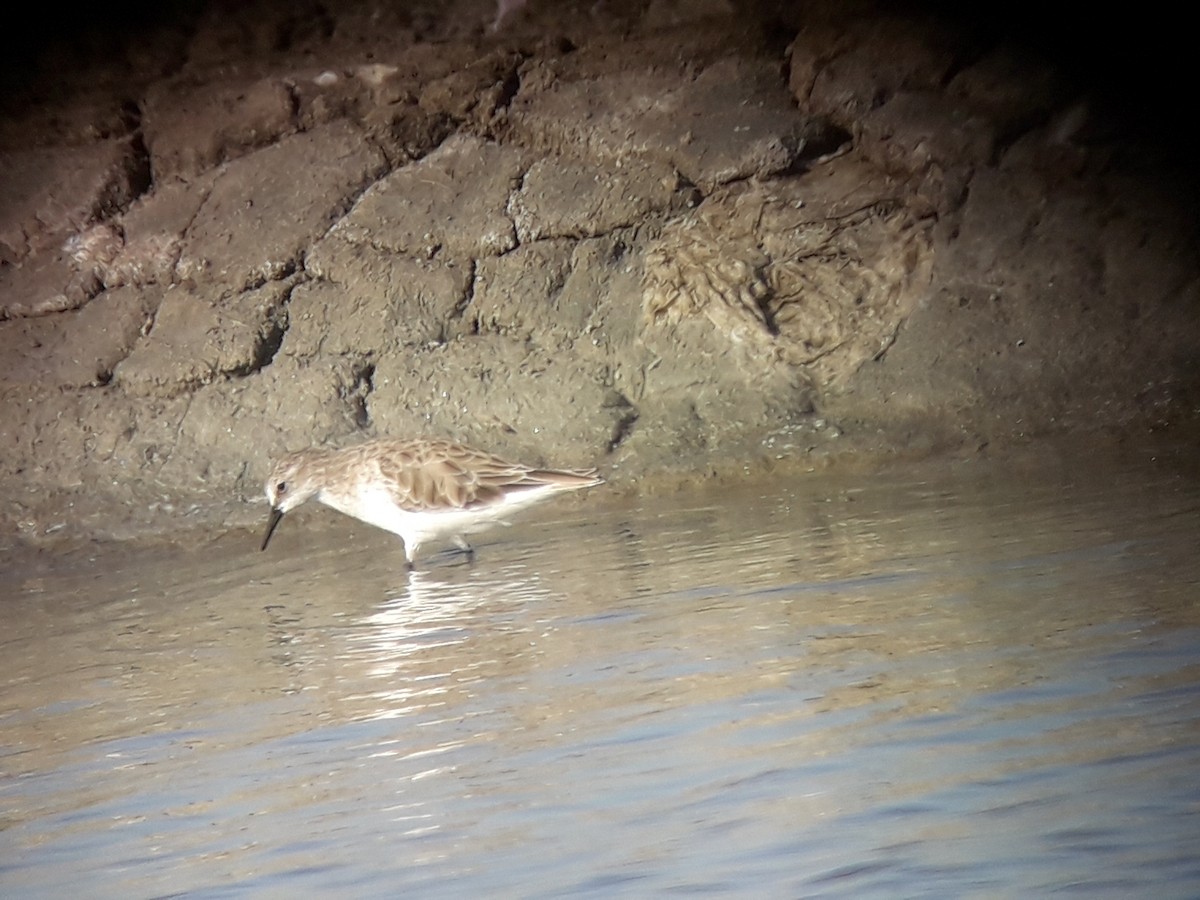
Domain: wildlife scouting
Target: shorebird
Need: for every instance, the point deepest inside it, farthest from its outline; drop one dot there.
(420, 489)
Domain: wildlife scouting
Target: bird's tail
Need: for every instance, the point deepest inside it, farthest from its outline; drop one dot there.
(567, 478)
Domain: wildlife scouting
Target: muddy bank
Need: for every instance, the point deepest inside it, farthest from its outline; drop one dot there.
(656, 237)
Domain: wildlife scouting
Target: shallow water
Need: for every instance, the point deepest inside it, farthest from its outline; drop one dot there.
(979, 679)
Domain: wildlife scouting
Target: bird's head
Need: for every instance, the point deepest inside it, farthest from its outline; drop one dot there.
(293, 480)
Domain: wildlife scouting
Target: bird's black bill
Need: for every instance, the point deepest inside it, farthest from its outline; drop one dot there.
(272, 524)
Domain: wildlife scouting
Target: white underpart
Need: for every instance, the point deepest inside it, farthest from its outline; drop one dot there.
(374, 505)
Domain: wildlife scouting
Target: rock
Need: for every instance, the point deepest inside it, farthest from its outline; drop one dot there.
(846, 69)
(80, 351)
(453, 203)
(731, 121)
(190, 127)
(373, 302)
(200, 336)
(496, 392)
(48, 194)
(48, 283)
(806, 281)
(563, 197)
(261, 213)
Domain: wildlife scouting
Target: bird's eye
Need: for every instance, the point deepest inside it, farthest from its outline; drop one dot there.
(281, 488)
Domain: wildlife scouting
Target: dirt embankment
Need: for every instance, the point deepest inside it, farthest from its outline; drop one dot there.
(658, 237)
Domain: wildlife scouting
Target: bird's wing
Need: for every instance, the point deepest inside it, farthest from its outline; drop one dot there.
(425, 475)
(447, 475)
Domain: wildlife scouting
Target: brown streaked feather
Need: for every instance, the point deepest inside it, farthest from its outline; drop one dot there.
(436, 474)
